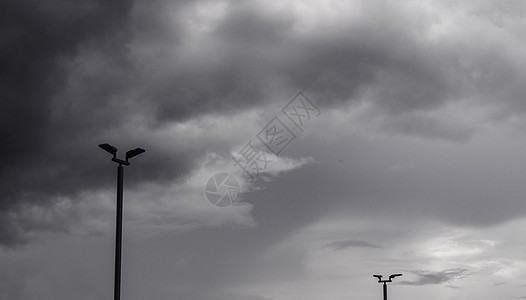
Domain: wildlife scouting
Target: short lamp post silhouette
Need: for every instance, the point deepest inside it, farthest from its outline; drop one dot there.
(386, 281)
(118, 236)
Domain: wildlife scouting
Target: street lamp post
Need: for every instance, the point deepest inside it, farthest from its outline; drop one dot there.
(386, 281)
(118, 227)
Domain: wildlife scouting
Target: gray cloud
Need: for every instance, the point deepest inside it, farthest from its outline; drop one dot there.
(427, 127)
(249, 48)
(436, 277)
(38, 36)
(341, 245)
(74, 75)
(119, 72)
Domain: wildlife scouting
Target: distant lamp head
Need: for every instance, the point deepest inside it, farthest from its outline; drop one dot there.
(109, 148)
(394, 275)
(378, 276)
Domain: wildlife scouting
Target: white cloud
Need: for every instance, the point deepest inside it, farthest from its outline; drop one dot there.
(454, 244)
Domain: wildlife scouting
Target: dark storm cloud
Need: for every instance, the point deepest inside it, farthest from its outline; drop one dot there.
(70, 82)
(392, 67)
(228, 74)
(36, 37)
(341, 245)
(75, 75)
(431, 277)
(239, 61)
(98, 72)
(385, 57)
(66, 81)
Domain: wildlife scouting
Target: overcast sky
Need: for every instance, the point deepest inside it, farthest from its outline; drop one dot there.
(409, 157)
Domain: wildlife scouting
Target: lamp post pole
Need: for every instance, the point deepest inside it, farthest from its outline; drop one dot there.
(385, 282)
(118, 234)
(118, 223)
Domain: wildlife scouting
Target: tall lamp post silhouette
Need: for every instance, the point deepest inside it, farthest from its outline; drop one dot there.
(118, 236)
(386, 281)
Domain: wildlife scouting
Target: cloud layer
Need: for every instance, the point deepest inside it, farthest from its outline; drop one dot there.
(414, 164)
